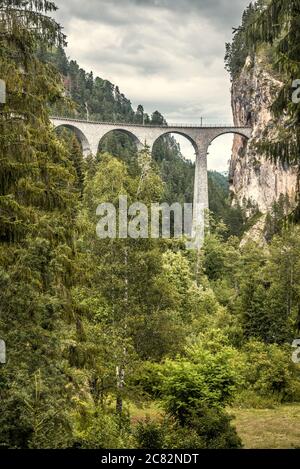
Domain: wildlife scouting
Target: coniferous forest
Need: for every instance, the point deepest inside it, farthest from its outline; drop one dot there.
(136, 343)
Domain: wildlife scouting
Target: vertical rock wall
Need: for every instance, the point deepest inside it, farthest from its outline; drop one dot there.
(253, 179)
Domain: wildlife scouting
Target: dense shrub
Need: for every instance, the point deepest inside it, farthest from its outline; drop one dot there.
(194, 390)
(249, 399)
(205, 429)
(95, 428)
(150, 434)
(204, 378)
(270, 372)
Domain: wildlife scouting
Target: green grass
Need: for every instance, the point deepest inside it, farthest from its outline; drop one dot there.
(277, 428)
(152, 410)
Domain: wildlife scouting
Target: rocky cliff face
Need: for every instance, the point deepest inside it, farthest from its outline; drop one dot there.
(253, 179)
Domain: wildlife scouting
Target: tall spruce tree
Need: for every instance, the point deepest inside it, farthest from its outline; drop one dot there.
(36, 235)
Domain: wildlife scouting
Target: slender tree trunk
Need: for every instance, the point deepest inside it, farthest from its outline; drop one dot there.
(120, 370)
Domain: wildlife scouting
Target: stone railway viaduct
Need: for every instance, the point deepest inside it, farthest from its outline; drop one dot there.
(91, 133)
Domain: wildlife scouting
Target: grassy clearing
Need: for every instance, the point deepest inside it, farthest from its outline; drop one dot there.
(151, 411)
(277, 428)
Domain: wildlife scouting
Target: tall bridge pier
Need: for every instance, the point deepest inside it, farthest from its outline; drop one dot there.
(91, 133)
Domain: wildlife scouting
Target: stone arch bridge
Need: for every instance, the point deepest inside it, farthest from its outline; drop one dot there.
(91, 133)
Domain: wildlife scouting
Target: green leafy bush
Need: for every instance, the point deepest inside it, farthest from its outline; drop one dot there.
(96, 428)
(203, 378)
(150, 435)
(194, 390)
(270, 372)
(249, 399)
(205, 429)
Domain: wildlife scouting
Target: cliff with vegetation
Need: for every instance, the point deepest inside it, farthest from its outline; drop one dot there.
(256, 180)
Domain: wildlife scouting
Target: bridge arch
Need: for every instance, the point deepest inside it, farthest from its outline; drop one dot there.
(139, 145)
(85, 144)
(176, 132)
(215, 145)
(220, 147)
(240, 132)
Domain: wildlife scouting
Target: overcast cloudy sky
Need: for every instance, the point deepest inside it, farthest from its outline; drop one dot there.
(165, 54)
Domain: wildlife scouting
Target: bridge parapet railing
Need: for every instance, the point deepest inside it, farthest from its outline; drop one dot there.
(163, 126)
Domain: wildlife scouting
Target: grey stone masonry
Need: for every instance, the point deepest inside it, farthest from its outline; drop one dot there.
(91, 133)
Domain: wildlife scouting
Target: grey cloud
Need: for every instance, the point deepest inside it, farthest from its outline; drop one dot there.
(220, 12)
(104, 11)
(164, 54)
(217, 9)
(155, 55)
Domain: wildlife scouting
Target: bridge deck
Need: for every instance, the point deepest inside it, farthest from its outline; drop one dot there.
(163, 126)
